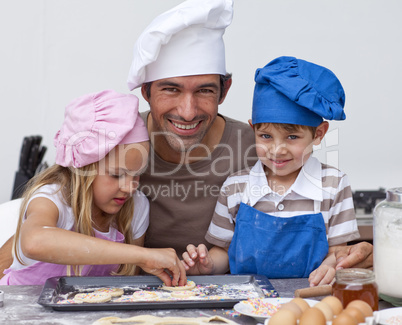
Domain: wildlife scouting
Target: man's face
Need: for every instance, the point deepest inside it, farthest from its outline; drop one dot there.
(183, 109)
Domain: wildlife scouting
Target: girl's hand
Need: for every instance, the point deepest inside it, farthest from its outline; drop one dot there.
(324, 274)
(197, 260)
(165, 264)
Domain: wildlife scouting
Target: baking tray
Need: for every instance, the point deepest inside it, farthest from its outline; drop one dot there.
(61, 288)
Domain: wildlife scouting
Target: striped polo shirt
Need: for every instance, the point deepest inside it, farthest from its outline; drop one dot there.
(318, 188)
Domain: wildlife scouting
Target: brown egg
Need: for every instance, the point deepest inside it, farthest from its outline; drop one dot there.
(312, 316)
(344, 319)
(364, 307)
(293, 307)
(356, 313)
(334, 303)
(282, 317)
(301, 303)
(326, 310)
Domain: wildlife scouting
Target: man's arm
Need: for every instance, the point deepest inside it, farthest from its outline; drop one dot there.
(6, 257)
(359, 255)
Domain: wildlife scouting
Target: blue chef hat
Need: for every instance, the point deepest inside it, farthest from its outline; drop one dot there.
(293, 91)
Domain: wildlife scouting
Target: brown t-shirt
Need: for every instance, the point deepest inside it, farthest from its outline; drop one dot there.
(183, 197)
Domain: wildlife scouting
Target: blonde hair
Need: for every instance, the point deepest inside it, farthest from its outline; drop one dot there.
(76, 189)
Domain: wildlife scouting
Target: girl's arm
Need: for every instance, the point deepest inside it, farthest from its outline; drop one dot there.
(6, 257)
(42, 240)
(139, 242)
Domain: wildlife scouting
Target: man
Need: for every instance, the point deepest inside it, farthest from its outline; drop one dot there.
(179, 63)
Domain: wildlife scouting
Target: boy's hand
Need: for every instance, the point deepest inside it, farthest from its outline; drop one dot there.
(197, 260)
(324, 274)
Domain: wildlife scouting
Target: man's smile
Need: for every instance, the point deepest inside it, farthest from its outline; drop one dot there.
(185, 126)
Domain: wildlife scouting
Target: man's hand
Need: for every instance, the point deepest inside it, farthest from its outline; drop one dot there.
(359, 255)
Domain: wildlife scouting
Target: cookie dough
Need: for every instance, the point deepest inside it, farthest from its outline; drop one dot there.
(144, 295)
(125, 299)
(190, 285)
(92, 297)
(114, 292)
(153, 320)
(183, 294)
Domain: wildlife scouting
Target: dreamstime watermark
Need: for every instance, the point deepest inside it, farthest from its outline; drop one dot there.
(88, 147)
(230, 157)
(223, 165)
(224, 159)
(174, 190)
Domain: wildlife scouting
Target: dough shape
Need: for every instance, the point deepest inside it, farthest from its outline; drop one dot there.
(68, 302)
(190, 285)
(93, 297)
(183, 294)
(145, 295)
(79, 297)
(124, 299)
(114, 292)
(154, 320)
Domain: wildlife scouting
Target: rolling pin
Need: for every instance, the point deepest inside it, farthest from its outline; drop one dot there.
(323, 290)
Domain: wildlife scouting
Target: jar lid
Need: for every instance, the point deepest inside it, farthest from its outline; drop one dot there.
(394, 194)
(355, 276)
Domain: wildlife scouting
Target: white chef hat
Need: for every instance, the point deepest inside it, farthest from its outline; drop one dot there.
(186, 40)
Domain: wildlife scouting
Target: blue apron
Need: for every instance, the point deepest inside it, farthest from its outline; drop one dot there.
(277, 247)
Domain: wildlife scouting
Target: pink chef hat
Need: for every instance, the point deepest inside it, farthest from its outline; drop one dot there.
(96, 123)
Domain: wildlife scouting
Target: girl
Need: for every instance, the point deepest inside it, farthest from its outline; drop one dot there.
(83, 216)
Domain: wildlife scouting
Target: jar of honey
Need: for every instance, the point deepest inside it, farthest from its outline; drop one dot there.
(352, 284)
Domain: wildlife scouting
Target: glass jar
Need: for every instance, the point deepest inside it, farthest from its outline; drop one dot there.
(352, 284)
(388, 246)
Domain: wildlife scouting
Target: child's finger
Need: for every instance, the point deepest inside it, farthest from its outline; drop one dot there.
(328, 277)
(186, 266)
(315, 277)
(174, 272)
(187, 259)
(202, 251)
(164, 276)
(192, 251)
(179, 274)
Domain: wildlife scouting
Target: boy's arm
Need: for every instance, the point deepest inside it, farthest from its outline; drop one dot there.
(221, 259)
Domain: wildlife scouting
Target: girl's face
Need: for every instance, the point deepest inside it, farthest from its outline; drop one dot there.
(118, 177)
(284, 152)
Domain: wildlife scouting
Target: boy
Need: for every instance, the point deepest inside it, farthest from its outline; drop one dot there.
(279, 218)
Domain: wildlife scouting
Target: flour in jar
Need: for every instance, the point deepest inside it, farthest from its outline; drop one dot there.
(388, 251)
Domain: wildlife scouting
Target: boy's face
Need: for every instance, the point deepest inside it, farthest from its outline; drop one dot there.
(283, 152)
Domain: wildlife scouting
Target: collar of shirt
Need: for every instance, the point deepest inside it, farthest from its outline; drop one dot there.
(308, 183)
